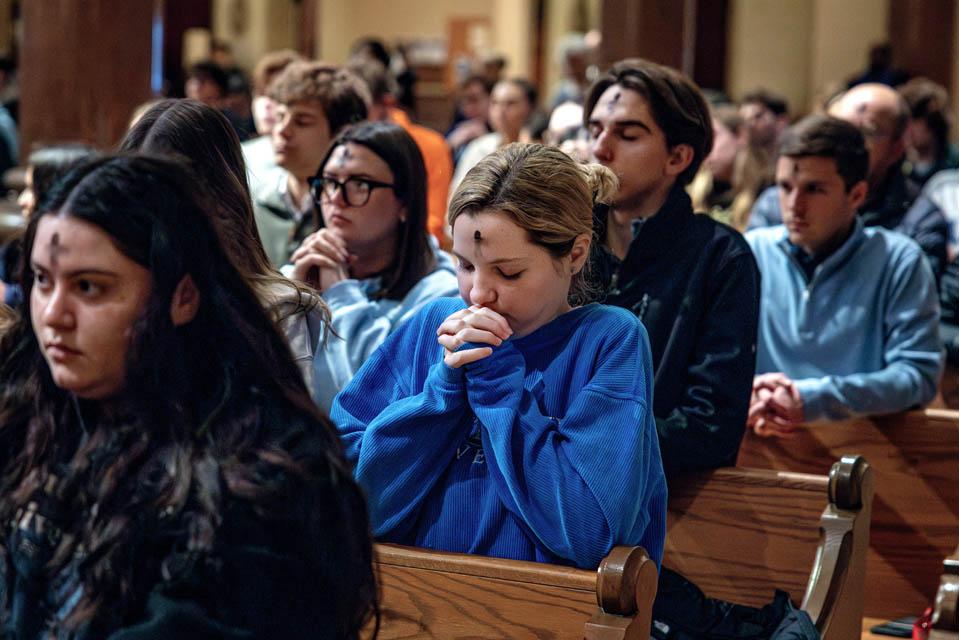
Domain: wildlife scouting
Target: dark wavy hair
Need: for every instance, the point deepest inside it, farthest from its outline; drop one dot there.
(414, 257)
(213, 414)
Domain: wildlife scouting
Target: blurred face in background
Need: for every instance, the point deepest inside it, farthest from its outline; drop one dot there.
(509, 110)
(264, 114)
(474, 101)
(300, 137)
(28, 199)
(721, 161)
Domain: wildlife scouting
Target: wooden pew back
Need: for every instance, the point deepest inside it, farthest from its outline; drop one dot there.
(915, 517)
(740, 534)
(434, 594)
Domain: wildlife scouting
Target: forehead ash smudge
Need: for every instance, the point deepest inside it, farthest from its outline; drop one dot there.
(55, 249)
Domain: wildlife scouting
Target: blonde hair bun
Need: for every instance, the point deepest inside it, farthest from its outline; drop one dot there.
(603, 183)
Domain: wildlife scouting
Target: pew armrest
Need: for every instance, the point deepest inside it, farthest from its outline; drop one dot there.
(945, 615)
(834, 594)
(449, 595)
(626, 584)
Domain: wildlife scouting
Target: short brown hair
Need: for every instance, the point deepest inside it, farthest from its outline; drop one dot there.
(270, 66)
(677, 105)
(344, 97)
(828, 137)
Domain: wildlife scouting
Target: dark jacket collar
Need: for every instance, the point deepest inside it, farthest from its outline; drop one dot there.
(656, 232)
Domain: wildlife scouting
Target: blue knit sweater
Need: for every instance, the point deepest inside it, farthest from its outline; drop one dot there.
(546, 450)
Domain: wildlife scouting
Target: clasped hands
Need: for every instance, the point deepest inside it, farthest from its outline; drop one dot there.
(321, 260)
(475, 324)
(775, 408)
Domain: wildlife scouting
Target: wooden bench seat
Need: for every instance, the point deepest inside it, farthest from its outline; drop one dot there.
(740, 534)
(433, 594)
(915, 516)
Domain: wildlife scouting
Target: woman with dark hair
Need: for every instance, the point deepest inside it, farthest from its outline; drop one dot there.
(165, 471)
(373, 259)
(194, 131)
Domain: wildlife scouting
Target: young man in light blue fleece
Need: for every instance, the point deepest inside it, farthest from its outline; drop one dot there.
(849, 314)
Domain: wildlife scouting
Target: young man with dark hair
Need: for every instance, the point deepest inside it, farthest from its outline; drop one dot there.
(893, 200)
(258, 151)
(691, 280)
(849, 317)
(314, 101)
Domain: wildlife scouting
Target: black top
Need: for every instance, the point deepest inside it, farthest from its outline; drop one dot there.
(695, 285)
(268, 575)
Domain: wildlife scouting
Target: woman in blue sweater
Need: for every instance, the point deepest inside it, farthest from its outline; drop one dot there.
(513, 423)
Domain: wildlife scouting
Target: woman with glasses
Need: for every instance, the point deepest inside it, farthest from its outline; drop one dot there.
(373, 259)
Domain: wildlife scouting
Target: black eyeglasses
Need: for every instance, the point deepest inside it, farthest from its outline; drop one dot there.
(356, 191)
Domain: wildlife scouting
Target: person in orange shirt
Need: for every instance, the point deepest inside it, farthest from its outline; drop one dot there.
(436, 153)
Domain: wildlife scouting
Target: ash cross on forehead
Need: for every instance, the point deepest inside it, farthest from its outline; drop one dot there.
(345, 156)
(55, 249)
(477, 236)
(611, 105)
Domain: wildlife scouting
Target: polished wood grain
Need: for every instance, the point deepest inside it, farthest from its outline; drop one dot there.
(432, 594)
(740, 534)
(85, 67)
(915, 518)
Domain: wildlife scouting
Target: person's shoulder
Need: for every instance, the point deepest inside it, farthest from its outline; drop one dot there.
(433, 312)
(608, 322)
(484, 144)
(896, 247)
(440, 282)
(724, 242)
(762, 237)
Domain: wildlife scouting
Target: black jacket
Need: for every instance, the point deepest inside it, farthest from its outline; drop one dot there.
(695, 285)
(898, 205)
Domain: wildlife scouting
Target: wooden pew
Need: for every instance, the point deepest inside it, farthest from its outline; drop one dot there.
(739, 534)
(433, 594)
(915, 516)
(945, 615)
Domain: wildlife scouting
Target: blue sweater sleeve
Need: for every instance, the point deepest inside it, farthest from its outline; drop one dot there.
(590, 480)
(399, 438)
(361, 325)
(912, 353)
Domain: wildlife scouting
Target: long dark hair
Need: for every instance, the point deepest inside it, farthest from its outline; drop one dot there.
(201, 135)
(212, 413)
(413, 259)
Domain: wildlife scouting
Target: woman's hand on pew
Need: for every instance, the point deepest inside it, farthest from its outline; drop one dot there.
(474, 324)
